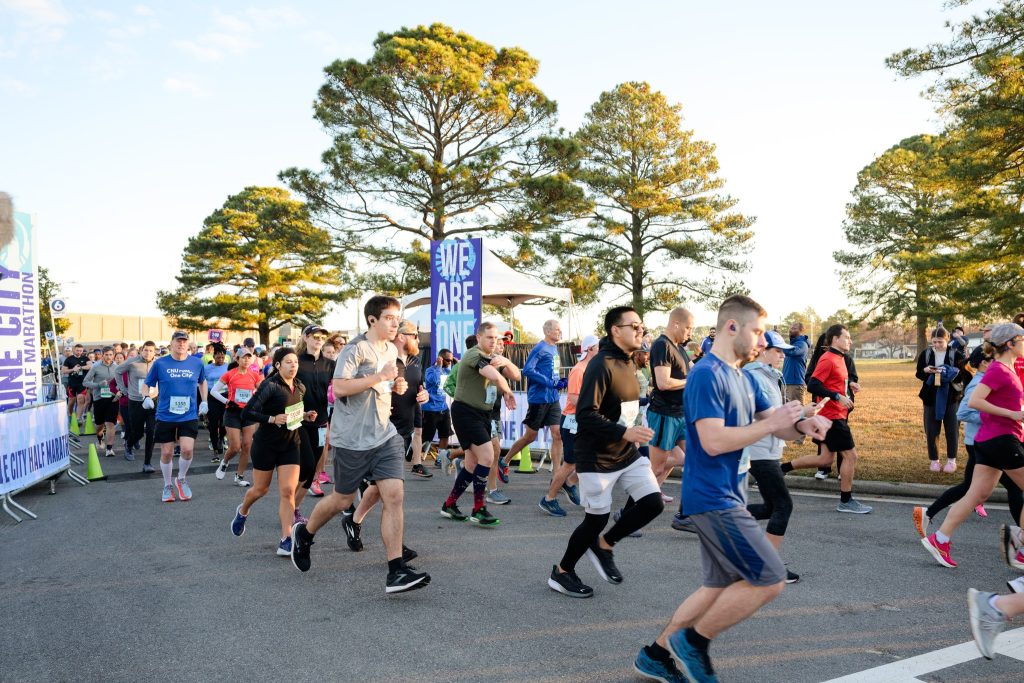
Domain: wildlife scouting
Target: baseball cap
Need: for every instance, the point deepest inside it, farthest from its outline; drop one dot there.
(589, 342)
(242, 351)
(645, 348)
(179, 335)
(1004, 332)
(775, 340)
(248, 341)
(407, 327)
(313, 329)
(261, 347)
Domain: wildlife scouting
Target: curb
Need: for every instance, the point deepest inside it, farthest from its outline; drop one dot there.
(883, 488)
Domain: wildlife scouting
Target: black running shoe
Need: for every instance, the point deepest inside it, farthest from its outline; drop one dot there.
(452, 512)
(484, 518)
(604, 562)
(405, 579)
(408, 554)
(352, 530)
(792, 577)
(421, 472)
(301, 543)
(568, 584)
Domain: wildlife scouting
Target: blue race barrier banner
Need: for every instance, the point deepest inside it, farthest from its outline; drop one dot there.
(456, 294)
(33, 445)
(20, 374)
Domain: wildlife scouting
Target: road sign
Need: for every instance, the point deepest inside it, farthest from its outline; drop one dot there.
(58, 308)
(49, 335)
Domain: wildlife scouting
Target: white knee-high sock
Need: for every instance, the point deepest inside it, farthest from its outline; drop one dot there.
(168, 469)
(183, 467)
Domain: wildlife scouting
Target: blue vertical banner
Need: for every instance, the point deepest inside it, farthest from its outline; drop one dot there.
(456, 293)
(19, 315)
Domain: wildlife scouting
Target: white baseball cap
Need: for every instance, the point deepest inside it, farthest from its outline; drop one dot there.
(589, 342)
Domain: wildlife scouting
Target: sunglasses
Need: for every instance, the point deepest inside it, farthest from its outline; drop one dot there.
(320, 337)
(637, 327)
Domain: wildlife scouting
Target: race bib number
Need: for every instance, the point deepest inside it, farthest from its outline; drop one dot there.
(293, 416)
(321, 436)
(142, 383)
(242, 396)
(495, 429)
(384, 387)
(569, 423)
(179, 404)
(628, 413)
(490, 394)
(105, 392)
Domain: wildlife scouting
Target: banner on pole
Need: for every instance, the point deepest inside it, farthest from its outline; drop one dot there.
(58, 307)
(456, 293)
(214, 335)
(19, 317)
(33, 445)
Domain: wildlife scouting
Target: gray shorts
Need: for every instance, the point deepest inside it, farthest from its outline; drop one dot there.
(733, 548)
(386, 461)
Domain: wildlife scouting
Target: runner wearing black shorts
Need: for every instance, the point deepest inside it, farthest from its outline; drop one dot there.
(74, 368)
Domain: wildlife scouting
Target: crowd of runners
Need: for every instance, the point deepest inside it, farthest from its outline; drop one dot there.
(346, 421)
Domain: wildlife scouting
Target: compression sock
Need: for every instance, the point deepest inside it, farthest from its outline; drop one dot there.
(462, 483)
(168, 470)
(480, 486)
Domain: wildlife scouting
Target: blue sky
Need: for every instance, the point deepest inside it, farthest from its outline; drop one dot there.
(123, 125)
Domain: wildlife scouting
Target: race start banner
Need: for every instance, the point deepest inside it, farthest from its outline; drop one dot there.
(456, 292)
(33, 445)
(19, 316)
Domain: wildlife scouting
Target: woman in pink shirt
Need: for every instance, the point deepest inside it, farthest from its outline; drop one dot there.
(998, 444)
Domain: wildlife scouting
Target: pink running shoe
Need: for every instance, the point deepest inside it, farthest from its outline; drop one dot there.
(940, 551)
(949, 467)
(981, 512)
(323, 478)
(299, 519)
(934, 466)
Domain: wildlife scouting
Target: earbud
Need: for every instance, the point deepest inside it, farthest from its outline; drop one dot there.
(732, 328)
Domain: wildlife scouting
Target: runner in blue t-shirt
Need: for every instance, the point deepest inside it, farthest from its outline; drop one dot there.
(176, 377)
(725, 413)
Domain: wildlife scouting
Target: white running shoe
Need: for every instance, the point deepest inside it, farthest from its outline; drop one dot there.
(240, 481)
(1017, 585)
(222, 469)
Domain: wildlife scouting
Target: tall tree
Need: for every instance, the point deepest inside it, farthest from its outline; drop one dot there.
(257, 263)
(437, 135)
(657, 228)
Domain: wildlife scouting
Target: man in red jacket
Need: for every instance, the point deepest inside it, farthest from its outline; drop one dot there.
(830, 384)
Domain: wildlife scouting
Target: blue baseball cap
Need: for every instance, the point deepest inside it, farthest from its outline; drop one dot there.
(775, 340)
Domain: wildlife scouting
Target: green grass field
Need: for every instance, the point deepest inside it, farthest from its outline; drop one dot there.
(887, 427)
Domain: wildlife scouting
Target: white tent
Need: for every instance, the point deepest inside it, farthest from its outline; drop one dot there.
(421, 318)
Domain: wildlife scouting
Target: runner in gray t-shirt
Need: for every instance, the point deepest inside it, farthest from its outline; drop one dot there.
(365, 443)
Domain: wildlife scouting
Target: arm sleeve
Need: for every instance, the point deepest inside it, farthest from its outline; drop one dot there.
(816, 385)
(216, 389)
(596, 381)
(253, 410)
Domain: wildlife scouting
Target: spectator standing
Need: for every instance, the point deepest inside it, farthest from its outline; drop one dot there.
(939, 368)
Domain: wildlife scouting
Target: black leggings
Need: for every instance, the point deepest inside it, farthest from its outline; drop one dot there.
(954, 493)
(215, 422)
(777, 506)
(309, 453)
(932, 427)
(633, 517)
(142, 422)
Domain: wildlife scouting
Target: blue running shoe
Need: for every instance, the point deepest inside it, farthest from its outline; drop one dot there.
(551, 507)
(653, 670)
(502, 469)
(572, 493)
(693, 662)
(238, 523)
(284, 548)
(184, 492)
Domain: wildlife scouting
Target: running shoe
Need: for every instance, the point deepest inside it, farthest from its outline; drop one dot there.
(572, 492)
(497, 497)
(934, 466)
(604, 562)
(821, 475)
(792, 577)
(284, 548)
(551, 507)
(184, 492)
(238, 523)
(298, 518)
(324, 478)
(408, 554)
(216, 457)
(1008, 535)
(940, 551)
(128, 455)
(444, 460)
(666, 499)
(681, 522)
(694, 663)
(109, 452)
(921, 521)
(418, 470)
(222, 469)
(452, 512)
(1018, 561)
(854, 507)
(986, 621)
(617, 515)
(148, 469)
(484, 518)
(168, 494)
(568, 584)
(502, 469)
(981, 511)
(1016, 585)
(352, 531)
(300, 548)
(315, 490)
(240, 481)
(949, 467)
(654, 670)
(405, 579)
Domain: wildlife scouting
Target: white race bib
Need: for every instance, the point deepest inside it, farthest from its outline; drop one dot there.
(142, 383)
(105, 392)
(628, 413)
(490, 394)
(242, 396)
(293, 416)
(569, 423)
(321, 436)
(179, 404)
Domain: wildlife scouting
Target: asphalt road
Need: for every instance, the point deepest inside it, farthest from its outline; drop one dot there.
(111, 584)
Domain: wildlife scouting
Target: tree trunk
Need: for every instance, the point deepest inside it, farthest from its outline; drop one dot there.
(636, 265)
(264, 330)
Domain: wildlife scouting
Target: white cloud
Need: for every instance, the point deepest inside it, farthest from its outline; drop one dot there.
(203, 53)
(143, 11)
(273, 17)
(102, 15)
(231, 23)
(228, 42)
(39, 19)
(183, 85)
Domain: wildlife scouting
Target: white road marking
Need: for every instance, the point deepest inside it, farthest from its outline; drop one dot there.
(1009, 644)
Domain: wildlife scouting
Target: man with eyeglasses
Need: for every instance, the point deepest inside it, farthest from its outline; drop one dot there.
(606, 455)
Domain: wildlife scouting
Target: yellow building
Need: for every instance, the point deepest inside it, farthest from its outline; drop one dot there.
(97, 329)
